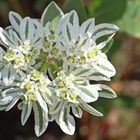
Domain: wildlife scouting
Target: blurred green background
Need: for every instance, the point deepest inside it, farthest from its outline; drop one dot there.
(121, 119)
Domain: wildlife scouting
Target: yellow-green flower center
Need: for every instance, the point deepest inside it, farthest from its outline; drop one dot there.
(73, 95)
(62, 74)
(36, 75)
(28, 86)
(17, 60)
(51, 36)
(9, 54)
(61, 84)
(82, 60)
(44, 80)
(46, 44)
(54, 51)
(31, 96)
(28, 58)
(71, 59)
(63, 95)
(25, 46)
(92, 53)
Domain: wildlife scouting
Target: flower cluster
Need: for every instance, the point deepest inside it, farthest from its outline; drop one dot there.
(48, 64)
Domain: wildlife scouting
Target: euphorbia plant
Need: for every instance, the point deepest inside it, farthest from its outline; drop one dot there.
(48, 64)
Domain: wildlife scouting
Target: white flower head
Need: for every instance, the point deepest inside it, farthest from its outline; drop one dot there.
(47, 64)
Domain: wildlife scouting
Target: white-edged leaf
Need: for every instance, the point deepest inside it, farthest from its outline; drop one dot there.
(41, 119)
(90, 109)
(51, 117)
(15, 20)
(41, 101)
(106, 92)
(66, 121)
(72, 18)
(51, 14)
(96, 76)
(47, 96)
(10, 92)
(12, 103)
(7, 37)
(1, 51)
(104, 43)
(77, 111)
(102, 30)
(81, 71)
(26, 111)
(105, 67)
(6, 100)
(87, 93)
(70, 26)
(27, 29)
(87, 26)
(90, 74)
(2, 37)
(8, 74)
(55, 108)
(9, 98)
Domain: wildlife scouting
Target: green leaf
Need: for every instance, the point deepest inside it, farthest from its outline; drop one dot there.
(106, 91)
(107, 10)
(116, 45)
(41, 119)
(78, 6)
(39, 4)
(51, 14)
(93, 5)
(131, 19)
(125, 102)
(54, 68)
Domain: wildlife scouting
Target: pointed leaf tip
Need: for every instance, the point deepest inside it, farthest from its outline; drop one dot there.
(51, 14)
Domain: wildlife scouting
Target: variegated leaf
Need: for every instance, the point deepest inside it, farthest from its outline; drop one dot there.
(51, 14)
(77, 111)
(106, 92)
(8, 75)
(27, 29)
(90, 109)
(87, 93)
(66, 121)
(26, 111)
(41, 119)
(15, 20)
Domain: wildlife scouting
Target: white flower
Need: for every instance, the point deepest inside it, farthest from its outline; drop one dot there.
(35, 94)
(51, 39)
(80, 43)
(25, 41)
(73, 96)
(47, 65)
